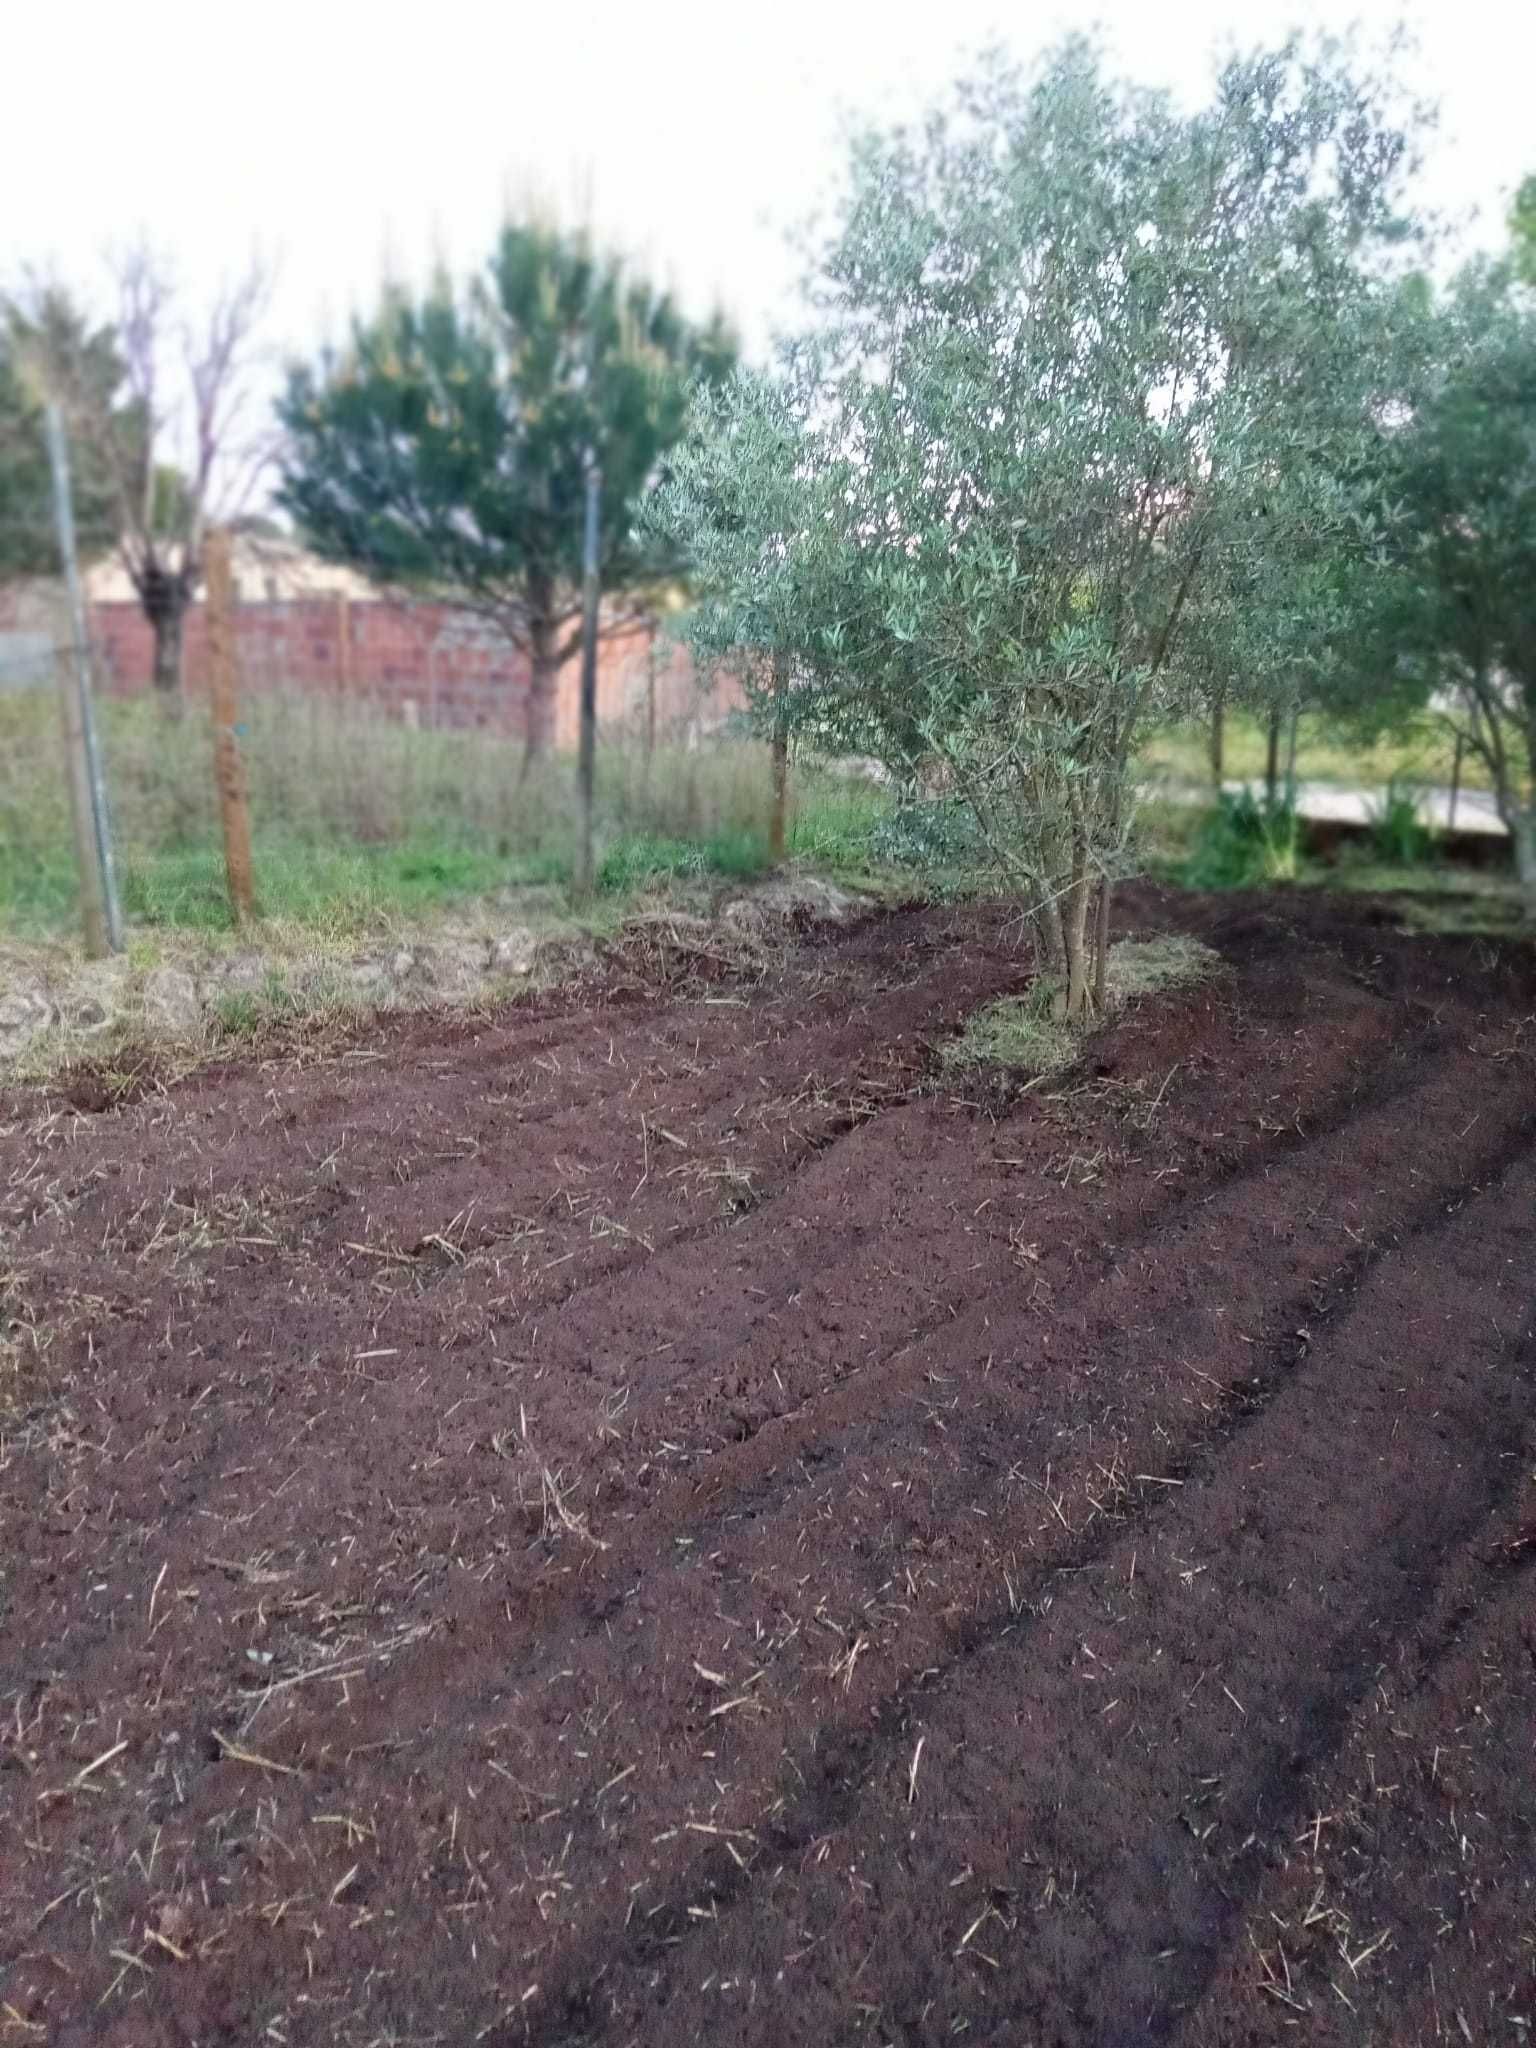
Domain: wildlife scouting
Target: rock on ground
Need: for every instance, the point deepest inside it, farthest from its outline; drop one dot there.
(171, 1002)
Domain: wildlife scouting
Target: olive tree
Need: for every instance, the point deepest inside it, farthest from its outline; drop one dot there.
(738, 505)
(1450, 611)
(1079, 403)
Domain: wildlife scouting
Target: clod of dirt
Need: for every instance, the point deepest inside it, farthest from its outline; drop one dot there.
(368, 979)
(446, 967)
(745, 917)
(570, 955)
(87, 1016)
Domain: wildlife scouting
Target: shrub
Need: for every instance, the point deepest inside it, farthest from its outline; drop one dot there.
(940, 833)
(1244, 842)
(1398, 835)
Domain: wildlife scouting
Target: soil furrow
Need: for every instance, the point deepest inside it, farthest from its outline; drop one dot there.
(485, 1676)
(1092, 1912)
(577, 1567)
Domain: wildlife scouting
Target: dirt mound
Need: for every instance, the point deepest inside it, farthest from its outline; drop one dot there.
(57, 1010)
(651, 1517)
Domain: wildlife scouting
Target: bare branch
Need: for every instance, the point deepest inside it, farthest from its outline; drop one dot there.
(192, 440)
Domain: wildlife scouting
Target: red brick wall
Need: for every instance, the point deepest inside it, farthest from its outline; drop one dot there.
(451, 667)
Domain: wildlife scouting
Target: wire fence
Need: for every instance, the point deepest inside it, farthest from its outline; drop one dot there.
(357, 810)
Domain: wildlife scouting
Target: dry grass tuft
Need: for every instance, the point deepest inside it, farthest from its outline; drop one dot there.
(1145, 967)
(1019, 1033)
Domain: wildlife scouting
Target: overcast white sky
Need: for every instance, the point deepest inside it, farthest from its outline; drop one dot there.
(341, 137)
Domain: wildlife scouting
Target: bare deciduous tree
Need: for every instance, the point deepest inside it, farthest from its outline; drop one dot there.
(179, 453)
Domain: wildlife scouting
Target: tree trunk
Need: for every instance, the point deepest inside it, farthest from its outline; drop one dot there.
(1101, 948)
(543, 695)
(778, 816)
(1078, 1007)
(1218, 743)
(1272, 761)
(168, 625)
(1050, 947)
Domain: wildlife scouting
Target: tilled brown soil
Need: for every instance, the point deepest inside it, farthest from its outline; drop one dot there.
(659, 1518)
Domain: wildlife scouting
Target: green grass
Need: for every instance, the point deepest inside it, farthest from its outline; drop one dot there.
(641, 862)
(336, 887)
(341, 888)
(360, 823)
(835, 818)
(325, 886)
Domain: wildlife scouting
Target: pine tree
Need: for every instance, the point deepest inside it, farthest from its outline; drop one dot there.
(445, 450)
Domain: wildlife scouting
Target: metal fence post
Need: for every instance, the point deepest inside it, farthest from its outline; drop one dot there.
(100, 908)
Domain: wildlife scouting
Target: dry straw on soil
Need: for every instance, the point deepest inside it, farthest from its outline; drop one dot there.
(1020, 1034)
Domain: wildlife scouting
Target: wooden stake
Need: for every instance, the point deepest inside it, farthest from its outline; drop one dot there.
(229, 767)
(650, 696)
